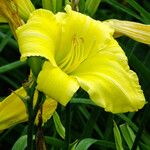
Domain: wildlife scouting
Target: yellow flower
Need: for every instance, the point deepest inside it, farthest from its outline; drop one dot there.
(10, 9)
(13, 110)
(25, 7)
(136, 31)
(15, 12)
(8, 13)
(80, 52)
(3, 19)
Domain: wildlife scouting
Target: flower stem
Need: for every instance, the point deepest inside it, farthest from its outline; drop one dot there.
(30, 133)
(30, 92)
(32, 113)
(67, 126)
(40, 143)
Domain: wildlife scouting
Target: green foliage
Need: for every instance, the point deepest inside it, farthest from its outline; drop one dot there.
(91, 6)
(21, 143)
(128, 135)
(85, 144)
(59, 127)
(118, 139)
(90, 127)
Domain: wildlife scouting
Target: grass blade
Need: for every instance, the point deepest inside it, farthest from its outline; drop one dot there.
(85, 144)
(59, 126)
(118, 139)
(11, 66)
(21, 143)
(91, 6)
(5, 40)
(128, 135)
(124, 9)
(140, 9)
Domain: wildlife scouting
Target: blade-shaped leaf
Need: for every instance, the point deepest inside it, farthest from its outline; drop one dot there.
(118, 139)
(21, 143)
(85, 144)
(59, 126)
(128, 135)
(91, 6)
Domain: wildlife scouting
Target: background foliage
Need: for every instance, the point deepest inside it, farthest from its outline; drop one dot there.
(90, 126)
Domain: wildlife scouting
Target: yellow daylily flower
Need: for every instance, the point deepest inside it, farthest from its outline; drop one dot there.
(13, 110)
(25, 7)
(9, 9)
(80, 52)
(3, 19)
(9, 13)
(134, 30)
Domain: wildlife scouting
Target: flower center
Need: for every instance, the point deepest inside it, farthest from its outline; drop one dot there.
(74, 56)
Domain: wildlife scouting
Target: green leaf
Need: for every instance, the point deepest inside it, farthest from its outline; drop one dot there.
(11, 66)
(82, 101)
(85, 144)
(144, 146)
(53, 5)
(106, 144)
(59, 5)
(10, 42)
(5, 40)
(86, 114)
(126, 119)
(88, 129)
(53, 141)
(91, 6)
(129, 11)
(128, 135)
(47, 4)
(140, 67)
(140, 9)
(59, 126)
(21, 143)
(118, 139)
(82, 6)
(73, 145)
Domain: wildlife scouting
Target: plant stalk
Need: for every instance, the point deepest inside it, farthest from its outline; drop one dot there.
(67, 126)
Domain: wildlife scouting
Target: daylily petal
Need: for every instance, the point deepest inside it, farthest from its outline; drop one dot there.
(3, 19)
(49, 108)
(39, 36)
(81, 37)
(137, 31)
(56, 84)
(13, 111)
(83, 48)
(9, 12)
(69, 38)
(109, 82)
(25, 7)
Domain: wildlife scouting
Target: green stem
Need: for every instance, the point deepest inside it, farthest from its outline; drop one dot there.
(40, 101)
(40, 143)
(35, 64)
(30, 129)
(67, 126)
(32, 112)
(30, 92)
